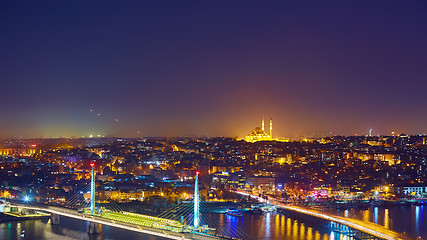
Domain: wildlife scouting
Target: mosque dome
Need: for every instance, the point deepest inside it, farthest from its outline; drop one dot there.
(258, 132)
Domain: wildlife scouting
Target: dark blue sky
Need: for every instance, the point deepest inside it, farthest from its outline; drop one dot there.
(212, 67)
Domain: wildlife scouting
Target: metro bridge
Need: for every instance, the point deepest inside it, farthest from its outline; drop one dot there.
(156, 226)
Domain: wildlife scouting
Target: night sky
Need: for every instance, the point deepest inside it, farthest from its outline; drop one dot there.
(179, 68)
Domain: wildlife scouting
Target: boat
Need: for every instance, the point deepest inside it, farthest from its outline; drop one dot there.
(268, 208)
(234, 212)
(255, 210)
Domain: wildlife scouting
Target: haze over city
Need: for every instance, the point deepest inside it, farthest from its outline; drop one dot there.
(175, 68)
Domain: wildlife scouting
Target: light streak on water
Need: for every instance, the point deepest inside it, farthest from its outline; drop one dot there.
(376, 215)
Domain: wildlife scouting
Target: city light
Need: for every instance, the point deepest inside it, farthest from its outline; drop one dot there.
(273, 177)
(172, 106)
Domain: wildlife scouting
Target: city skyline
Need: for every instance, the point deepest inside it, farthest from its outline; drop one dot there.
(227, 120)
(140, 69)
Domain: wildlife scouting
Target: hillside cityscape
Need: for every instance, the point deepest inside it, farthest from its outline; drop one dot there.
(382, 169)
(213, 120)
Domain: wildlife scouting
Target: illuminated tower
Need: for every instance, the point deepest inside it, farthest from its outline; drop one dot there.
(196, 201)
(92, 191)
(271, 127)
(263, 123)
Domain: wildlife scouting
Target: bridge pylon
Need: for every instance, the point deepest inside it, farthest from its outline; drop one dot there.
(92, 190)
(196, 202)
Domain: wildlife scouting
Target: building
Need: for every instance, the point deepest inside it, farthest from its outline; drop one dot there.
(22, 152)
(237, 179)
(259, 134)
(260, 181)
(414, 190)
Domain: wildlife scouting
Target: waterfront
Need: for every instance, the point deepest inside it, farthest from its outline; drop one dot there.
(273, 226)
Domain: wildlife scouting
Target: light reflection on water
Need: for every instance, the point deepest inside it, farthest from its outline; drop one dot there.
(277, 224)
(295, 229)
(272, 226)
(288, 228)
(316, 235)
(402, 219)
(376, 215)
(386, 219)
(417, 219)
(366, 215)
(267, 225)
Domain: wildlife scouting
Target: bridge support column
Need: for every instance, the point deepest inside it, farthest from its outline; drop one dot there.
(23, 211)
(55, 218)
(196, 202)
(93, 228)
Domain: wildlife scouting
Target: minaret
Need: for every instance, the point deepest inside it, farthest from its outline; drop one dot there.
(262, 122)
(271, 127)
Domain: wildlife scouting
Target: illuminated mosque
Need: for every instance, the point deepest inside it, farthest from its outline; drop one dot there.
(259, 134)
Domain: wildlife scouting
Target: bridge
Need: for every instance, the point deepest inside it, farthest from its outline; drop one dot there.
(155, 226)
(172, 229)
(369, 230)
(116, 220)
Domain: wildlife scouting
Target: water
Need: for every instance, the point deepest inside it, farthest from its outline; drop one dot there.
(68, 229)
(271, 226)
(403, 219)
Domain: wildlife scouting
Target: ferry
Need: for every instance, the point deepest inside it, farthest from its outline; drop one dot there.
(234, 212)
(269, 208)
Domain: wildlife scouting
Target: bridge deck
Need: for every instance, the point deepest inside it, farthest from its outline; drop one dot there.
(145, 221)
